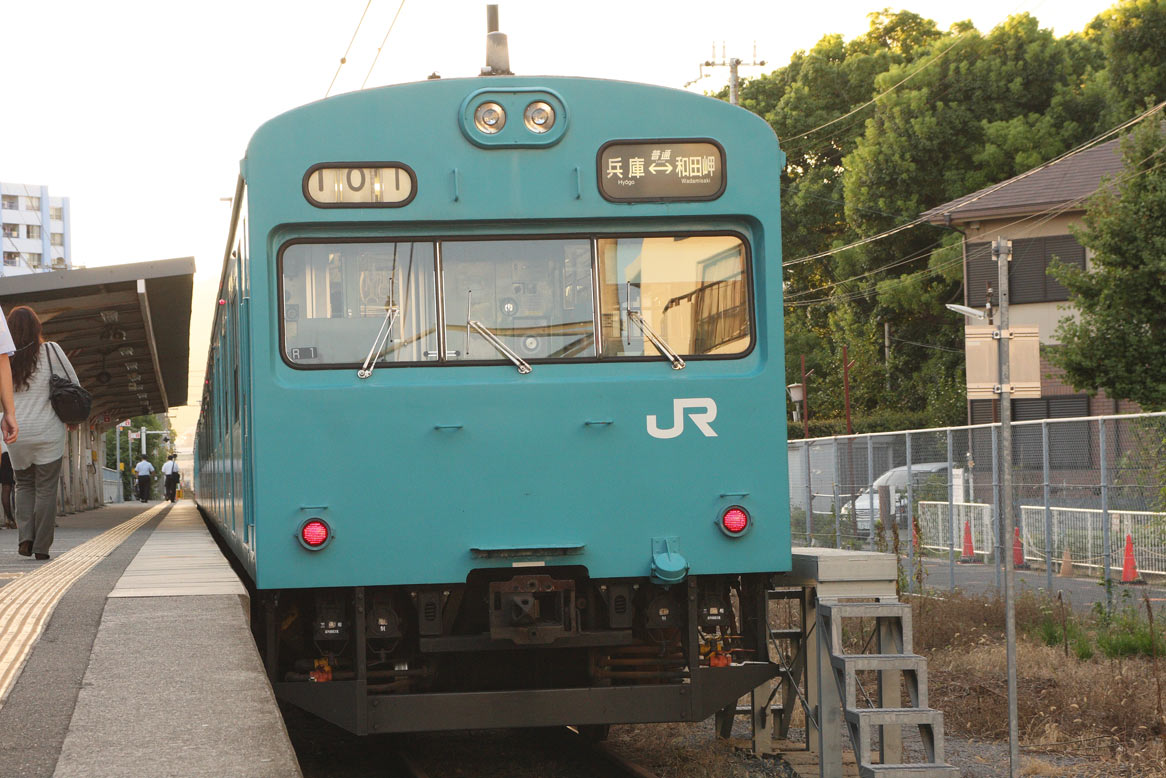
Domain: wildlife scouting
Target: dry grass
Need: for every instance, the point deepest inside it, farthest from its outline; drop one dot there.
(686, 751)
(1041, 767)
(1099, 708)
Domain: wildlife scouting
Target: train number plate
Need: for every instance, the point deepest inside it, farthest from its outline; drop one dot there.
(385, 185)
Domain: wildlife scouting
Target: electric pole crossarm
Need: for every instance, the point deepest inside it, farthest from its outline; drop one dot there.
(733, 64)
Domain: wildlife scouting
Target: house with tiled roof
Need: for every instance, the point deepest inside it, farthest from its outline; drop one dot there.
(1034, 210)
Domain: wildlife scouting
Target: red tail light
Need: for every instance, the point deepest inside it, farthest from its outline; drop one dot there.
(735, 521)
(314, 533)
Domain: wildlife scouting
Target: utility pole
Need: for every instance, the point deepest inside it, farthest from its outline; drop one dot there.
(887, 351)
(1002, 251)
(733, 64)
(805, 402)
(846, 363)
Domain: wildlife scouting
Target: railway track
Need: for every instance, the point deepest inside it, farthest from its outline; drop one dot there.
(325, 751)
(578, 759)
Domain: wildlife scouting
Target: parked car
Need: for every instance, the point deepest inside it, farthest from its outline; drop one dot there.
(866, 504)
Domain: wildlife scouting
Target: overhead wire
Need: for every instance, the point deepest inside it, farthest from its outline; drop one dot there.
(382, 46)
(989, 190)
(928, 345)
(801, 149)
(959, 39)
(1047, 215)
(1042, 217)
(918, 254)
(344, 59)
(876, 98)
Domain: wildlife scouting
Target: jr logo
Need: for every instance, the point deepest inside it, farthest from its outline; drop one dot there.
(682, 407)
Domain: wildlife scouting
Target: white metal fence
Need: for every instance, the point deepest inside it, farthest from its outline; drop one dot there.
(938, 533)
(1082, 484)
(1080, 531)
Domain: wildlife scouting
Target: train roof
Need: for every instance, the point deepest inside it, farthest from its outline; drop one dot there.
(456, 89)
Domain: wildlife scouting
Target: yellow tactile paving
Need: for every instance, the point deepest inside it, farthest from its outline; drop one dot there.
(27, 603)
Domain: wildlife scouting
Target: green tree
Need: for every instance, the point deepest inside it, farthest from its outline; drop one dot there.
(1116, 343)
(904, 117)
(1132, 37)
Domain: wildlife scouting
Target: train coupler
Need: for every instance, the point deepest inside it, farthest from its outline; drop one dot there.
(532, 609)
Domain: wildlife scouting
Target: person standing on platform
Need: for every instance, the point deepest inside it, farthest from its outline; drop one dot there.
(8, 426)
(8, 409)
(170, 470)
(7, 487)
(144, 470)
(36, 456)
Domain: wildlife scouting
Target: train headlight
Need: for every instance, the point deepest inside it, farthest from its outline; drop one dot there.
(735, 521)
(490, 118)
(539, 116)
(314, 534)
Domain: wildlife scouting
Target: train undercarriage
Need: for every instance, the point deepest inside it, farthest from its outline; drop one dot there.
(537, 647)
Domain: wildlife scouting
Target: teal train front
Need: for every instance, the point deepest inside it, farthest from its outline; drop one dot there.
(494, 414)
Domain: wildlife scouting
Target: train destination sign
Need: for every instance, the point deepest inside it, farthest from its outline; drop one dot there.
(377, 185)
(663, 170)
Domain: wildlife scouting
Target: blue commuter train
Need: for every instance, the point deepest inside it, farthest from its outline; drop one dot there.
(493, 419)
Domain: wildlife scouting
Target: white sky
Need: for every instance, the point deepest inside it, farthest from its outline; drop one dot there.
(140, 111)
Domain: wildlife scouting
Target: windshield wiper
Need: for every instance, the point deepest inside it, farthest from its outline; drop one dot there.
(391, 313)
(493, 340)
(665, 350)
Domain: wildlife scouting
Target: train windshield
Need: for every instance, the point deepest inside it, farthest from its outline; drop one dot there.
(533, 295)
(541, 299)
(335, 296)
(690, 290)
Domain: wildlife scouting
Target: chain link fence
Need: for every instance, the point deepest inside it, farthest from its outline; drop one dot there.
(1081, 488)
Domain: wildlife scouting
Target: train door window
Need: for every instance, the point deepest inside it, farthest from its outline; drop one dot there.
(689, 290)
(533, 295)
(336, 296)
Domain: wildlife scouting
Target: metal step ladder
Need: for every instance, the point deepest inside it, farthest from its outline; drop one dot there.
(884, 711)
(769, 716)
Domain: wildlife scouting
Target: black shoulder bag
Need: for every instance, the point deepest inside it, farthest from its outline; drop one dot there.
(70, 402)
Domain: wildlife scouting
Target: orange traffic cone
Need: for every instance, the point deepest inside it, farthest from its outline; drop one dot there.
(1018, 562)
(1129, 568)
(969, 555)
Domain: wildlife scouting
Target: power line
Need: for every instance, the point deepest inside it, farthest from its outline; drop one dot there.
(378, 56)
(926, 345)
(921, 220)
(876, 98)
(344, 59)
(911, 258)
(888, 233)
(1042, 217)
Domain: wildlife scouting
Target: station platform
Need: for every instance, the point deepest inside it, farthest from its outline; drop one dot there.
(129, 653)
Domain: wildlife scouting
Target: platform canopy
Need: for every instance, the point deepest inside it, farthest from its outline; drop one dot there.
(125, 328)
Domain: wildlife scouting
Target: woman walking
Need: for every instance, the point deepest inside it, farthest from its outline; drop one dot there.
(36, 455)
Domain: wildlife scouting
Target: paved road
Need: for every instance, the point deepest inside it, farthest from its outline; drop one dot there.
(1082, 591)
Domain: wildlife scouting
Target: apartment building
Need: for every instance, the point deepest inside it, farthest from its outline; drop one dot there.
(34, 230)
